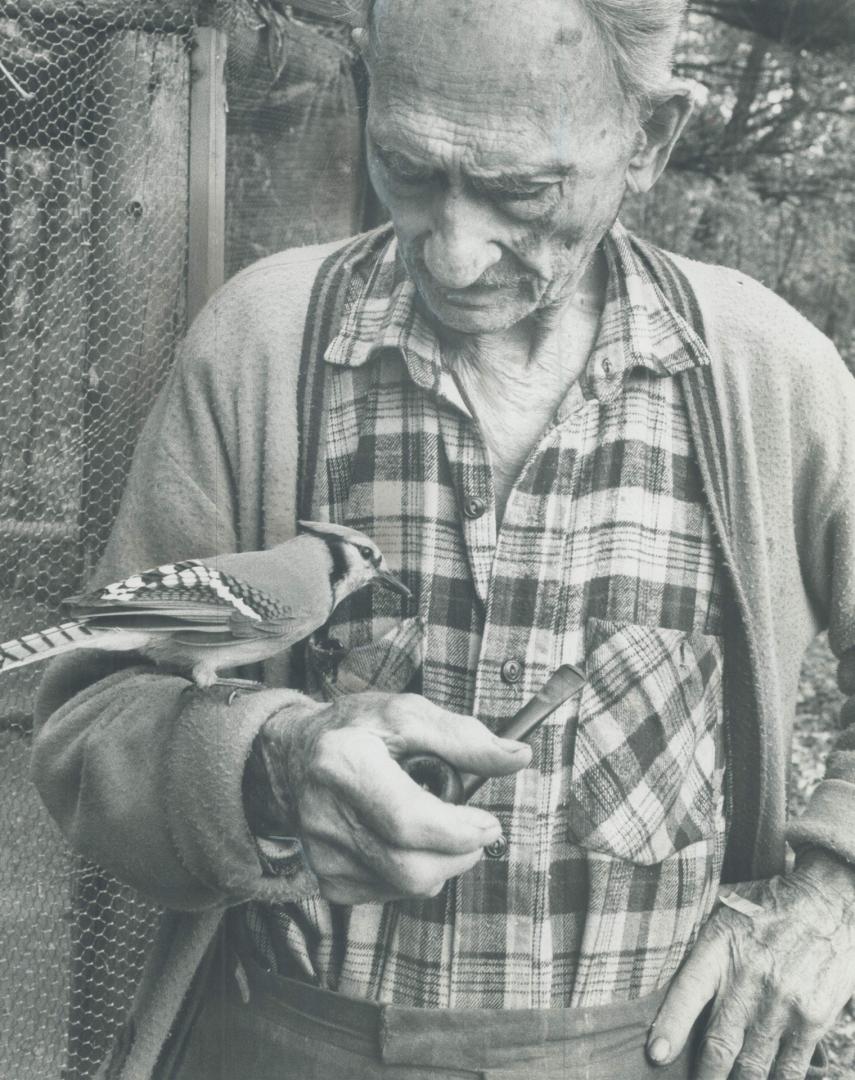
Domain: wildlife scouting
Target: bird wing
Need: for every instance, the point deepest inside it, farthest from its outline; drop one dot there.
(187, 594)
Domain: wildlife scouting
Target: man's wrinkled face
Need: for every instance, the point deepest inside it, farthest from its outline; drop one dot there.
(498, 149)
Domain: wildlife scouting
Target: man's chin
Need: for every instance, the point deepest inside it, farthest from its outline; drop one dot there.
(465, 316)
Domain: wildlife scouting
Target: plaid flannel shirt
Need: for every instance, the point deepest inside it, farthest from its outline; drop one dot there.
(606, 559)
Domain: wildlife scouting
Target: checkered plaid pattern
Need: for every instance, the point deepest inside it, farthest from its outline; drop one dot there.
(605, 558)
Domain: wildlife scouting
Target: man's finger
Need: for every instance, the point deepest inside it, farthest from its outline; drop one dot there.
(462, 741)
(692, 988)
(421, 873)
(422, 876)
(795, 1055)
(760, 1047)
(388, 803)
(740, 1034)
(398, 872)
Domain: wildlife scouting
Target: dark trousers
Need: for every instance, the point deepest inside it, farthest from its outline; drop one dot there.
(249, 1024)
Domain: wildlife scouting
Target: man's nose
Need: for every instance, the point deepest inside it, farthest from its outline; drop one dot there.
(460, 248)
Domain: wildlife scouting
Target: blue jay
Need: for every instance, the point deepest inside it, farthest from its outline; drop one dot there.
(202, 615)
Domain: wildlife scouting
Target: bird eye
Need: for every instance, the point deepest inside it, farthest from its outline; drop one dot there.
(367, 553)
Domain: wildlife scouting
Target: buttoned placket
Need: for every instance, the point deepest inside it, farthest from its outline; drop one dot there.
(503, 681)
(508, 674)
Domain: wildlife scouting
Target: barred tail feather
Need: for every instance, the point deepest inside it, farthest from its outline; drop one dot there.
(47, 643)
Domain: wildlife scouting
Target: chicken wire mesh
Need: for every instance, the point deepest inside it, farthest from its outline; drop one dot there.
(94, 149)
(94, 156)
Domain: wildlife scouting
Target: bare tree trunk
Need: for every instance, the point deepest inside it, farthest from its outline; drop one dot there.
(732, 148)
(733, 138)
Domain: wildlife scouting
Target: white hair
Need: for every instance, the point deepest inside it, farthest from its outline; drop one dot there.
(637, 38)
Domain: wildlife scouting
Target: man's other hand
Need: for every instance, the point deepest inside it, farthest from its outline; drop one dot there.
(777, 979)
(368, 831)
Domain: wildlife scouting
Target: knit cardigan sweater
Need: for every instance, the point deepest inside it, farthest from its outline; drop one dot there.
(146, 781)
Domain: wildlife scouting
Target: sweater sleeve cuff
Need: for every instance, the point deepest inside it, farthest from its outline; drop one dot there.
(206, 757)
(829, 820)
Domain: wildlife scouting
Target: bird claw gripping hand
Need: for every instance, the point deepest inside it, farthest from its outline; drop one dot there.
(202, 615)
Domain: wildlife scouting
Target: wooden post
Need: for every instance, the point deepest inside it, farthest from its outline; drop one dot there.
(139, 238)
(43, 319)
(206, 263)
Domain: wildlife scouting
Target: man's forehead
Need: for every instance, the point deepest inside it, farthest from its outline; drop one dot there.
(504, 79)
(487, 44)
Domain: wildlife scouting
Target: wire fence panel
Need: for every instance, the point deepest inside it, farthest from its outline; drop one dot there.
(93, 207)
(94, 130)
(294, 166)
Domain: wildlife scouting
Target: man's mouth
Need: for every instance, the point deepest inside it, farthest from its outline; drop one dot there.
(472, 297)
(480, 293)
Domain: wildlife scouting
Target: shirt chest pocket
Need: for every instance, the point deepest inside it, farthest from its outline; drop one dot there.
(389, 663)
(646, 772)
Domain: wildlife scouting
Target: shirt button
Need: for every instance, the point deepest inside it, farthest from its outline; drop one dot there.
(512, 671)
(497, 850)
(474, 508)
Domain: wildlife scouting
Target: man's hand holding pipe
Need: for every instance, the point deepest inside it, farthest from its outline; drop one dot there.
(368, 831)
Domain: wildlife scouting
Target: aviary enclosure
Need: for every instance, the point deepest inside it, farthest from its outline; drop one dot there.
(148, 149)
(151, 148)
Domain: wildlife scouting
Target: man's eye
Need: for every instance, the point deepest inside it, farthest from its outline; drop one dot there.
(410, 176)
(400, 170)
(524, 194)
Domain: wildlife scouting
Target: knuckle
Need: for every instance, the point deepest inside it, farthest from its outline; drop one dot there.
(792, 1071)
(412, 879)
(351, 708)
(401, 830)
(795, 1061)
(340, 756)
(398, 708)
(326, 764)
(749, 1067)
(415, 884)
(718, 1051)
(811, 1017)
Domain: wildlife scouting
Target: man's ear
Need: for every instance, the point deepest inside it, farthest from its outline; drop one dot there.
(657, 138)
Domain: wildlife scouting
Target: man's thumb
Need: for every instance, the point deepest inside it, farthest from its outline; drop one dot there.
(694, 985)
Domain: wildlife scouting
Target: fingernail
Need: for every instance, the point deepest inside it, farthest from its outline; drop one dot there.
(512, 746)
(660, 1049)
(482, 820)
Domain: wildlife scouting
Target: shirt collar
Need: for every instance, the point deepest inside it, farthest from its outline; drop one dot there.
(381, 313)
(638, 327)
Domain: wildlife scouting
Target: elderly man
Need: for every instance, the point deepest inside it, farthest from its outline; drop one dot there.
(575, 449)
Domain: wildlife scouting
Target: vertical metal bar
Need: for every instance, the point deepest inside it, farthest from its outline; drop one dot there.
(207, 221)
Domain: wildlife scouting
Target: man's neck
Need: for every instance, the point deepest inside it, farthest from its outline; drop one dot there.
(542, 340)
(514, 382)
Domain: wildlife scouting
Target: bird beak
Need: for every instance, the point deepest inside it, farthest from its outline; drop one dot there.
(387, 578)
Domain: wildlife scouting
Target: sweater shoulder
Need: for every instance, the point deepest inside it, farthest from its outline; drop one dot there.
(255, 321)
(751, 327)
(265, 279)
(270, 291)
(770, 363)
